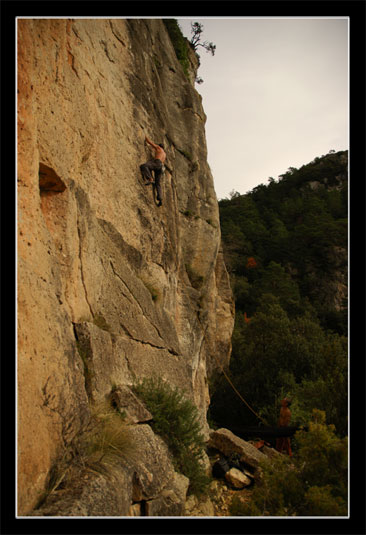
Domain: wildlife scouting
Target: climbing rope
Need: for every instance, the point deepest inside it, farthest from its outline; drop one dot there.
(233, 387)
(238, 393)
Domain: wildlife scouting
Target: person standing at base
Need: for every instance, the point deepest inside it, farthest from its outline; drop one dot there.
(156, 165)
(284, 443)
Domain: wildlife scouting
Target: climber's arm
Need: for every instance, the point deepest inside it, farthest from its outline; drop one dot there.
(151, 143)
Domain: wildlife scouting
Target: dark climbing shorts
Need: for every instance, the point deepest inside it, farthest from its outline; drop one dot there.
(157, 166)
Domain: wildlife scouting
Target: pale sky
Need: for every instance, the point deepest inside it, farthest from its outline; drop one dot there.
(275, 94)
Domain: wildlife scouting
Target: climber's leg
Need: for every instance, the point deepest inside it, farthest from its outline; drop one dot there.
(279, 444)
(146, 172)
(288, 446)
(158, 186)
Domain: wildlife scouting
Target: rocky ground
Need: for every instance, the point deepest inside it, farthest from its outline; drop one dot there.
(234, 483)
(217, 502)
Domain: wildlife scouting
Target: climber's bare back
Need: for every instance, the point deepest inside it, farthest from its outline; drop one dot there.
(159, 152)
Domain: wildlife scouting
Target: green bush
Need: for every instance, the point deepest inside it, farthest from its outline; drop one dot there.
(238, 508)
(176, 420)
(319, 501)
(323, 455)
(280, 493)
(179, 43)
(312, 483)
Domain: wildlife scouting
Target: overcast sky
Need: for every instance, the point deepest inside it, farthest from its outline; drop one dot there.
(275, 94)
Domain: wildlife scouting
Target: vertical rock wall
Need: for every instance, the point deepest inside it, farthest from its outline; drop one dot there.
(143, 287)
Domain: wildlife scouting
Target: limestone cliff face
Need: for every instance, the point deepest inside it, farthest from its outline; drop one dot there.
(143, 288)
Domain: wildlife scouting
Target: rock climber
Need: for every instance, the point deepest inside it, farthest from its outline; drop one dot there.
(284, 443)
(155, 165)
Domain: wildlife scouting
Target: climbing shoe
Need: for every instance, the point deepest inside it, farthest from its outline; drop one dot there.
(160, 203)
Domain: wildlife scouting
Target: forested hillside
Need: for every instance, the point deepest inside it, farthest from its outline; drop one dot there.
(285, 246)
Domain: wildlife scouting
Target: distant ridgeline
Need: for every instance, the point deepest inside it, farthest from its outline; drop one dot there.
(285, 247)
(289, 238)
